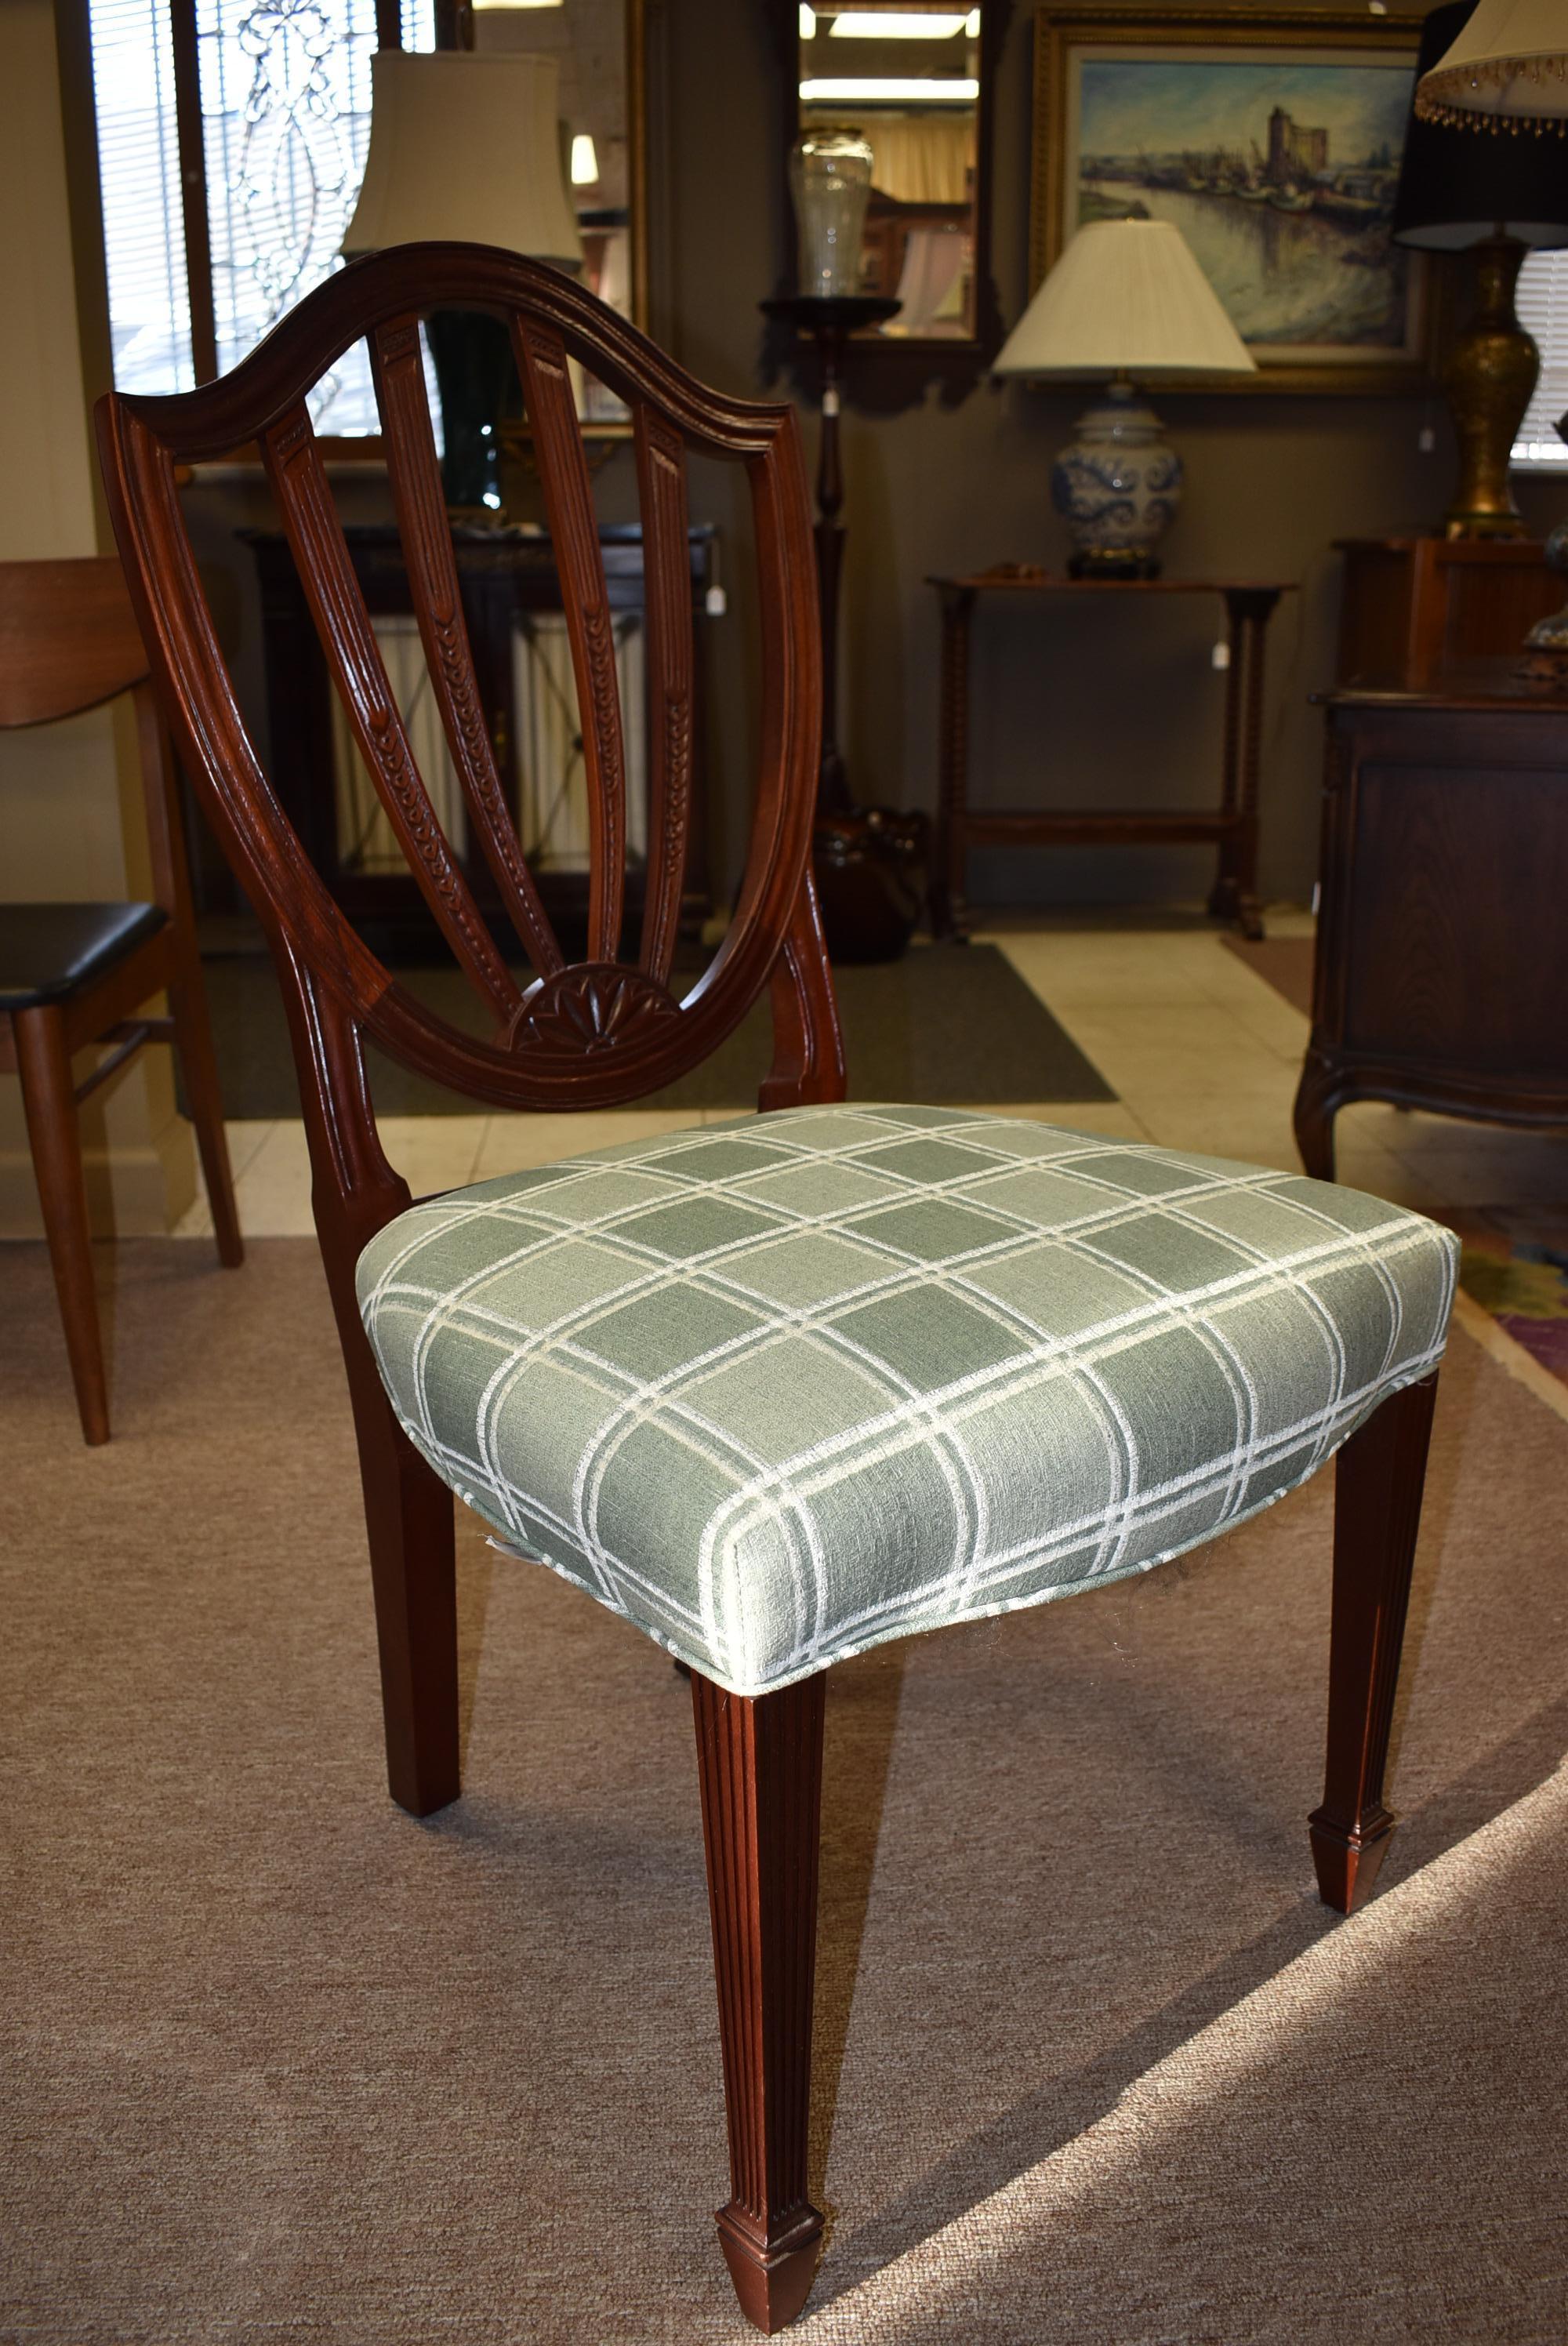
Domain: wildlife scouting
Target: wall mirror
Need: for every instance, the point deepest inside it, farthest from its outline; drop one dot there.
(598, 47)
(916, 80)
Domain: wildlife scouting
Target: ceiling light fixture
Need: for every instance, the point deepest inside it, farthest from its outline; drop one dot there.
(889, 24)
(889, 90)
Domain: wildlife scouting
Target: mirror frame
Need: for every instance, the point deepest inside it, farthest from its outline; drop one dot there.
(890, 371)
(455, 29)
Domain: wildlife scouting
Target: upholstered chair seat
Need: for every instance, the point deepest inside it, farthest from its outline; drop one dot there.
(780, 1389)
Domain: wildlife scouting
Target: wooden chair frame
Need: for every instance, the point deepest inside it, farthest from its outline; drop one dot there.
(71, 643)
(596, 1034)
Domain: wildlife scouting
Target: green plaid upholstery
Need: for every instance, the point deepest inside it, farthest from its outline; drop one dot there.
(779, 1389)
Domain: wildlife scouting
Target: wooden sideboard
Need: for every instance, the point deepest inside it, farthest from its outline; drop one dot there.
(1415, 608)
(1441, 969)
(508, 579)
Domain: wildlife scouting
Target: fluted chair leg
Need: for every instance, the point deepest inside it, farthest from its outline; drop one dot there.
(1379, 1479)
(414, 1571)
(759, 1759)
(199, 1064)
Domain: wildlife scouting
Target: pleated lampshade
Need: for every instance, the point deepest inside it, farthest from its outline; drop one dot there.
(1126, 296)
(466, 147)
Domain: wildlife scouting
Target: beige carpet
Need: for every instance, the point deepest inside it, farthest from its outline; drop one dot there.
(1094, 2069)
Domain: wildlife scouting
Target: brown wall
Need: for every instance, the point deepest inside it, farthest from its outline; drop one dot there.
(1083, 708)
(1120, 704)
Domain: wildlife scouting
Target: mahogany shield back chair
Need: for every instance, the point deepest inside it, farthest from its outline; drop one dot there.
(779, 1389)
(73, 975)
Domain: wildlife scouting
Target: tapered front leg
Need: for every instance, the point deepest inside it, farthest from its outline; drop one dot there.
(759, 1758)
(1379, 1475)
(49, 1102)
(409, 1518)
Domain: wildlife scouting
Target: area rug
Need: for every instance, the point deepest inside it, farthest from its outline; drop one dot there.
(1283, 963)
(1092, 2062)
(950, 1026)
(1514, 1264)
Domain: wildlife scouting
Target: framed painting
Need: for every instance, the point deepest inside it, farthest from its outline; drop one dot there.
(1272, 137)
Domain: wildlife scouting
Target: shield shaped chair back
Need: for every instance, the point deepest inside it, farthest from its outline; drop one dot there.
(594, 1034)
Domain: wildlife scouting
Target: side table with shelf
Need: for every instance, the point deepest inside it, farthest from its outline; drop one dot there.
(1232, 825)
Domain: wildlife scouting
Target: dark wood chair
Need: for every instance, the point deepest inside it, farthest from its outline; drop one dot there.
(608, 1030)
(77, 975)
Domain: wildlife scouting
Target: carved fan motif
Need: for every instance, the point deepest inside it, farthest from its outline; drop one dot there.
(592, 1007)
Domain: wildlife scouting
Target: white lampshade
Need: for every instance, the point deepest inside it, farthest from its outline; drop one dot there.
(1508, 70)
(466, 147)
(1126, 296)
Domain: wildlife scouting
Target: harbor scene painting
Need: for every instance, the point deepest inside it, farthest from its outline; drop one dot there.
(1280, 171)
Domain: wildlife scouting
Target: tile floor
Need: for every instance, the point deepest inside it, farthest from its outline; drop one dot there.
(1201, 1053)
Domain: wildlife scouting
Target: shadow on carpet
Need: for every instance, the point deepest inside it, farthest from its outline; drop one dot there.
(948, 1027)
(1092, 2062)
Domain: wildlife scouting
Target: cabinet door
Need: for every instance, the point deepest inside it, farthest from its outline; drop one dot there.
(1454, 847)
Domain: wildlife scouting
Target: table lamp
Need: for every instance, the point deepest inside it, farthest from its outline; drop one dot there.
(467, 148)
(1127, 298)
(1499, 197)
(1507, 69)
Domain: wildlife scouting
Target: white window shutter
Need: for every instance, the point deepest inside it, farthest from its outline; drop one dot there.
(1542, 304)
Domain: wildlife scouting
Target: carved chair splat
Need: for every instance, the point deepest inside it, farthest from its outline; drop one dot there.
(608, 1030)
(420, 509)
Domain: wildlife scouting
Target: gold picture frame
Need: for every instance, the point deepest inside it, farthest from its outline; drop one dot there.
(1277, 218)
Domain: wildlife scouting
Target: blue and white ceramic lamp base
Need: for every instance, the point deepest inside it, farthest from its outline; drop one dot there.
(1117, 485)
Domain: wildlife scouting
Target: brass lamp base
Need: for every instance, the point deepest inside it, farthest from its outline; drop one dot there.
(1489, 378)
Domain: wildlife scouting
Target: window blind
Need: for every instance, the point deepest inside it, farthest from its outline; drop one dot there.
(285, 100)
(1542, 305)
(138, 167)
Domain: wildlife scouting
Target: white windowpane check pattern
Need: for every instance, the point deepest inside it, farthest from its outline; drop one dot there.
(781, 1389)
(1542, 304)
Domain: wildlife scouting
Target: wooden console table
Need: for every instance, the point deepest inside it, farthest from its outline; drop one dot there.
(1442, 964)
(507, 577)
(1249, 605)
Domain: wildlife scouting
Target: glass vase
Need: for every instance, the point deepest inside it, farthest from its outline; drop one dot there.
(830, 180)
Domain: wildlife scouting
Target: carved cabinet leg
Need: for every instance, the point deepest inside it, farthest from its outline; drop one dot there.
(1313, 1116)
(759, 1759)
(1378, 1478)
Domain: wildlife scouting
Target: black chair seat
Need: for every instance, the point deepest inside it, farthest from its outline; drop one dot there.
(50, 952)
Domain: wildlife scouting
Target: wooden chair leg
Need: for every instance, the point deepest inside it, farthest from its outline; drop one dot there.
(759, 1759)
(49, 1099)
(1378, 1478)
(413, 1572)
(199, 1064)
